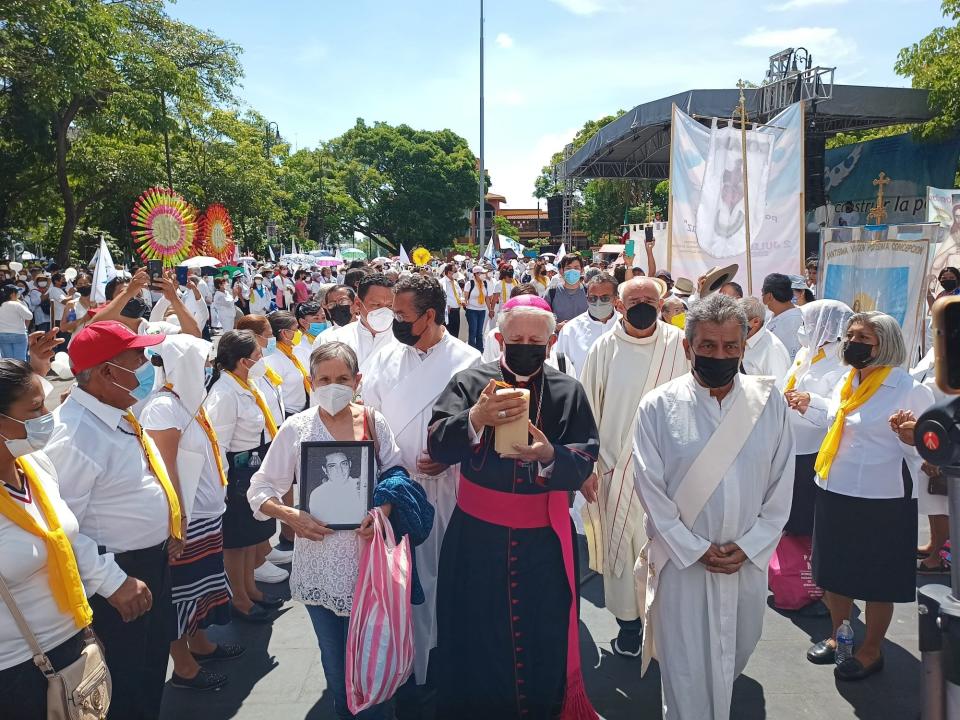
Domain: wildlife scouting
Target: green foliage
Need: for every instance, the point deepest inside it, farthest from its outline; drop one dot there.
(502, 226)
(934, 63)
(841, 139)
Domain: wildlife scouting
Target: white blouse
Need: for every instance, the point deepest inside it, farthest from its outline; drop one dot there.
(868, 462)
(23, 565)
(819, 380)
(235, 416)
(294, 394)
(324, 572)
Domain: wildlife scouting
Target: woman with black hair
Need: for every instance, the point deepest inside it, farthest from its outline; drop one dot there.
(312, 321)
(223, 304)
(48, 581)
(14, 316)
(949, 280)
(245, 428)
(286, 363)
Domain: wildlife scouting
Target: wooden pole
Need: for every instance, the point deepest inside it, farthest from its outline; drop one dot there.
(746, 186)
(673, 124)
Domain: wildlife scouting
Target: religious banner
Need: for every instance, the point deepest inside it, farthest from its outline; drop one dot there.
(880, 268)
(943, 208)
(707, 219)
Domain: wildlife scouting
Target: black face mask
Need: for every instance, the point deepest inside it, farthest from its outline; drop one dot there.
(525, 360)
(949, 284)
(340, 315)
(135, 308)
(715, 372)
(642, 316)
(403, 332)
(857, 354)
(84, 291)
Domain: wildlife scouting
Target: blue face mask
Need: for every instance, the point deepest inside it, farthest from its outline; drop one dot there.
(316, 328)
(145, 375)
(271, 347)
(207, 375)
(571, 277)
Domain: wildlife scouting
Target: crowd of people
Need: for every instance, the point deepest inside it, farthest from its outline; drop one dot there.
(681, 428)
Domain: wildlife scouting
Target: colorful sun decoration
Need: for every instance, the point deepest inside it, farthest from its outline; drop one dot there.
(216, 233)
(164, 226)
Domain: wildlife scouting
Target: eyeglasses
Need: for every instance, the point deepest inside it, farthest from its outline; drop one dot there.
(599, 299)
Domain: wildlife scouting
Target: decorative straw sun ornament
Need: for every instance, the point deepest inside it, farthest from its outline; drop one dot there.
(216, 233)
(164, 226)
(421, 256)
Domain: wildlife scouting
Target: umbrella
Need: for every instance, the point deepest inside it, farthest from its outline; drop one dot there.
(328, 262)
(27, 255)
(548, 255)
(201, 261)
(353, 254)
(459, 258)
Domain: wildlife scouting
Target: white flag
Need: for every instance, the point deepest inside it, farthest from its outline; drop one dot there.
(561, 252)
(293, 247)
(273, 258)
(404, 258)
(103, 272)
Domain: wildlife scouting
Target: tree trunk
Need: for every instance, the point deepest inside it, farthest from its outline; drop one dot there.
(70, 215)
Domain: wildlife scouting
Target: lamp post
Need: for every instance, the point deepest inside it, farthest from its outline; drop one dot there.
(320, 164)
(481, 215)
(271, 138)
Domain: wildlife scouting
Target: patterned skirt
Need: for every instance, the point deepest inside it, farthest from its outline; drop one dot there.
(199, 587)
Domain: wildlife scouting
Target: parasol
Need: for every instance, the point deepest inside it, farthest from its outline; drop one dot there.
(353, 254)
(201, 261)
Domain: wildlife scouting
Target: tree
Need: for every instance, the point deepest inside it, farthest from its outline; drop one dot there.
(403, 185)
(502, 226)
(934, 63)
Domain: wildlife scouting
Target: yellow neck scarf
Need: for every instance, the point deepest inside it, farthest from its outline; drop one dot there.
(274, 377)
(506, 289)
(792, 380)
(456, 291)
(480, 297)
(204, 421)
(65, 584)
(850, 400)
(159, 471)
(288, 351)
(261, 403)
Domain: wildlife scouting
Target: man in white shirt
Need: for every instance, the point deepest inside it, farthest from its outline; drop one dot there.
(411, 373)
(455, 302)
(777, 295)
(713, 464)
(128, 308)
(59, 293)
(112, 485)
(372, 331)
(764, 354)
(578, 335)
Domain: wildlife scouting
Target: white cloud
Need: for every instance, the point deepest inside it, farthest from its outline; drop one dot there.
(592, 7)
(826, 44)
(513, 173)
(803, 4)
(504, 41)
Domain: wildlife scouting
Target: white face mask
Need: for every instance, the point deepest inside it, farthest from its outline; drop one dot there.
(332, 398)
(257, 370)
(38, 430)
(380, 320)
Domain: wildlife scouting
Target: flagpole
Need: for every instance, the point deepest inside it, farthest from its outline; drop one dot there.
(481, 215)
(746, 186)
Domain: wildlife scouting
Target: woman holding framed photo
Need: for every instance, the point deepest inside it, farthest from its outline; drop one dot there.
(337, 450)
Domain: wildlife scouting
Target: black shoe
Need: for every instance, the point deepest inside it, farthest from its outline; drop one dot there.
(270, 602)
(257, 614)
(224, 651)
(822, 653)
(204, 680)
(852, 669)
(628, 644)
(284, 544)
(813, 610)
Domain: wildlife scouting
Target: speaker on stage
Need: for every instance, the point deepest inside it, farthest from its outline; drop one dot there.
(815, 145)
(554, 224)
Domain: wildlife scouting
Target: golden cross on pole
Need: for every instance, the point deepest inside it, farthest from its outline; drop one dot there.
(879, 212)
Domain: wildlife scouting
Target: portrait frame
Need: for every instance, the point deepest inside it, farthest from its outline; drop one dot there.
(337, 509)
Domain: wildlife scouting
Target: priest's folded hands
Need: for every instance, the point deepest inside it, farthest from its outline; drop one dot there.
(724, 559)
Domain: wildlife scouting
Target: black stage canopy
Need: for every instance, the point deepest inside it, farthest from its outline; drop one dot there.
(637, 144)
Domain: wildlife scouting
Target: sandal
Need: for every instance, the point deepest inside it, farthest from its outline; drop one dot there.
(941, 568)
(203, 680)
(224, 651)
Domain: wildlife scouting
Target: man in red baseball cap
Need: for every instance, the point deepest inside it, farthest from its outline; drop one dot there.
(113, 479)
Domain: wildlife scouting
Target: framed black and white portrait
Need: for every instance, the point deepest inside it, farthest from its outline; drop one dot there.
(336, 482)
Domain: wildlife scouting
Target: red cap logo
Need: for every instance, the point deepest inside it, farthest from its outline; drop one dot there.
(931, 441)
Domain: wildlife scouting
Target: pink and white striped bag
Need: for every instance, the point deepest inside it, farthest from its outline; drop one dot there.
(380, 634)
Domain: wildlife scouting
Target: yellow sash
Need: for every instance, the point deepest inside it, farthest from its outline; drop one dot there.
(480, 297)
(204, 421)
(261, 403)
(792, 380)
(274, 377)
(65, 584)
(850, 400)
(456, 292)
(288, 351)
(159, 471)
(506, 289)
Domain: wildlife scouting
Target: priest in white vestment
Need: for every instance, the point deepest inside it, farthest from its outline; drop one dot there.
(407, 378)
(765, 354)
(713, 461)
(578, 335)
(639, 354)
(372, 330)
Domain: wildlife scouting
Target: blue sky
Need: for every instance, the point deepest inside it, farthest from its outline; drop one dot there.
(314, 67)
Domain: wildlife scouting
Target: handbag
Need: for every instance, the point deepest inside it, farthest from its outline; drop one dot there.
(81, 690)
(790, 574)
(380, 633)
(937, 481)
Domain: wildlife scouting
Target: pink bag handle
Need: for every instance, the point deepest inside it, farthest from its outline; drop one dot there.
(383, 529)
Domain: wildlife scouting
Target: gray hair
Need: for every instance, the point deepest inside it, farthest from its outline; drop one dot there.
(505, 316)
(717, 309)
(334, 350)
(753, 309)
(83, 377)
(891, 350)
